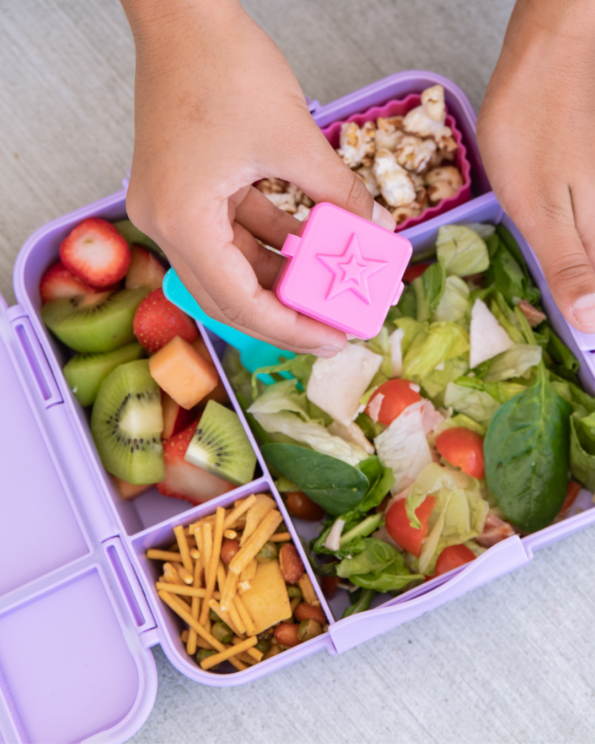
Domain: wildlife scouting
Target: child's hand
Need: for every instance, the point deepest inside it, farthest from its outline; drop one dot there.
(535, 132)
(217, 108)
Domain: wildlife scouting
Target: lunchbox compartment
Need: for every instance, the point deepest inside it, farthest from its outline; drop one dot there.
(171, 626)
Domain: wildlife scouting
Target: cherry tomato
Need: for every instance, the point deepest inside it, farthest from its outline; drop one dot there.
(398, 395)
(413, 271)
(571, 494)
(300, 506)
(398, 526)
(453, 557)
(462, 448)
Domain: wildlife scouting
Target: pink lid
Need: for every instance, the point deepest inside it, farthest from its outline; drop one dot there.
(344, 270)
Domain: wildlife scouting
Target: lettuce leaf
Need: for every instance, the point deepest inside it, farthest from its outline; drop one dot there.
(380, 345)
(434, 345)
(463, 251)
(411, 329)
(429, 288)
(454, 302)
(299, 367)
(403, 447)
(460, 421)
(434, 384)
(477, 404)
(281, 396)
(430, 480)
(513, 362)
(582, 458)
(312, 434)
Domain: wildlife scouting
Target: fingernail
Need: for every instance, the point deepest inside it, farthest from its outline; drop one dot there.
(326, 351)
(584, 310)
(383, 217)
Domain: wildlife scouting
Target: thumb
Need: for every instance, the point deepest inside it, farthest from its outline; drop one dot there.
(321, 174)
(568, 272)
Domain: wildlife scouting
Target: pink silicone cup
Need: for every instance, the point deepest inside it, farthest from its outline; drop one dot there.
(400, 108)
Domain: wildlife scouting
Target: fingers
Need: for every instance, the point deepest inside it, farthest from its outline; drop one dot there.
(235, 298)
(264, 220)
(323, 176)
(265, 263)
(562, 239)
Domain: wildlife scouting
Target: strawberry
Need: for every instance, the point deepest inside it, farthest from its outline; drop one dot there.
(157, 321)
(96, 253)
(184, 480)
(145, 270)
(58, 282)
(175, 418)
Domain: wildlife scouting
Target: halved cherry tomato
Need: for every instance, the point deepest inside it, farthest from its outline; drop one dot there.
(398, 526)
(453, 557)
(398, 395)
(462, 448)
(300, 506)
(413, 271)
(573, 491)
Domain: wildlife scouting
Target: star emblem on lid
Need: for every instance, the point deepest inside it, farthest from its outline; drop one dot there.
(351, 271)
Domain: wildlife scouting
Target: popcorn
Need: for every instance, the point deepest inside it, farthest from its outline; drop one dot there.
(368, 177)
(432, 100)
(414, 153)
(443, 183)
(357, 146)
(284, 201)
(389, 132)
(396, 186)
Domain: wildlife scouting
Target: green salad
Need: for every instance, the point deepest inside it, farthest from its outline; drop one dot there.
(460, 424)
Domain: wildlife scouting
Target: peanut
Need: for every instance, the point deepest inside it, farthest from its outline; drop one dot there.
(292, 568)
(307, 612)
(228, 549)
(287, 634)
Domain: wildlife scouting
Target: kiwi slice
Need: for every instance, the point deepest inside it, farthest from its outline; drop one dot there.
(220, 445)
(126, 424)
(84, 373)
(132, 234)
(96, 322)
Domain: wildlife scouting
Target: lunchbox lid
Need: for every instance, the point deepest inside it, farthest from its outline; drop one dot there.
(73, 661)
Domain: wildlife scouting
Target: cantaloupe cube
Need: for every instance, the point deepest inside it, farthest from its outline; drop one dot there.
(129, 491)
(267, 601)
(183, 373)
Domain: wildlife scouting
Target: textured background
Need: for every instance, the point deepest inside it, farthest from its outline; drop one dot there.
(513, 661)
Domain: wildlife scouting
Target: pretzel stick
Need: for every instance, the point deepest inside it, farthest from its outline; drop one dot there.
(184, 574)
(235, 616)
(236, 513)
(170, 574)
(258, 538)
(214, 562)
(183, 545)
(164, 555)
(194, 609)
(229, 653)
(229, 590)
(253, 652)
(184, 591)
(280, 537)
(216, 607)
(180, 609)
(245, 615)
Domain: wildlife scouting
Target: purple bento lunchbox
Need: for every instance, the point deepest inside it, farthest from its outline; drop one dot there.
(78, 608)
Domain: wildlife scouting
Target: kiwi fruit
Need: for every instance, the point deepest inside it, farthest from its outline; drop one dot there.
(221, 447)
(96, 322)
(126, 424)
(132, 234)
(84, 373)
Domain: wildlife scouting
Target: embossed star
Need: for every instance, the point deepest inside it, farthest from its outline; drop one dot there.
(351, 271)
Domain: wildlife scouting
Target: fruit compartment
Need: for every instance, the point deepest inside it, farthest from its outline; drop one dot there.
(483, 209)
(171, 626)
(37, 255)
(400, 108)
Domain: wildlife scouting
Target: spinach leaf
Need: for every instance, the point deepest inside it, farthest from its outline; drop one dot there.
(582, 459)
(332, 484)
(563, 359)
(526, 452)
(320, 569)
(532, 294)
(381, 480)
(429, 288)
(508, 272)
(380, 566)
(360, 601)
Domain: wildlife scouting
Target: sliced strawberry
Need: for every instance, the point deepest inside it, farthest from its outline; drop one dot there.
(145, 269)
(58, 282)
(175, 418)
(157, 321)
(96, 253)
(184, 480)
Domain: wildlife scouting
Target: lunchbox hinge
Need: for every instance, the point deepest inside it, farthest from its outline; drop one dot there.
(127, 579)
(33, 357)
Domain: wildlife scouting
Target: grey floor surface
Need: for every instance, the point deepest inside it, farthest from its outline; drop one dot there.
(511, 662)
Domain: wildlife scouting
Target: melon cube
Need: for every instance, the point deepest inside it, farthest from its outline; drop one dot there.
(129, 491)
(219, 394)
(183, 373)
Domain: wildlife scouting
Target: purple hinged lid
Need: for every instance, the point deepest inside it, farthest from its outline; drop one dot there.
(73, 662)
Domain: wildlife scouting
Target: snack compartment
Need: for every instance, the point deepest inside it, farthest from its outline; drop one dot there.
(170, 625)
